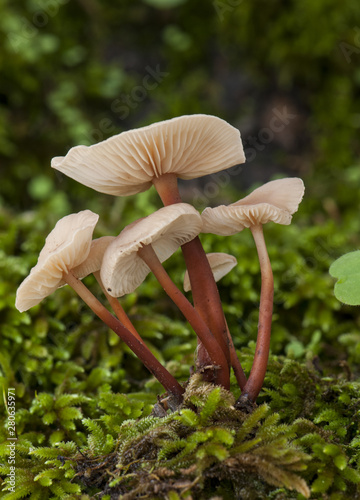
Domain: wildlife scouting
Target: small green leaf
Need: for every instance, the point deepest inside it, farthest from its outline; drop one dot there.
(347, 270)
(322, 483)
(331, 449)
(49, 417)
(188, 417)
(340, 461)
(56, 437)
(351, 475)
(44, 481)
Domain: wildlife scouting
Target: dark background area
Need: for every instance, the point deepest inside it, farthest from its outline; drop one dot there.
(76, 72)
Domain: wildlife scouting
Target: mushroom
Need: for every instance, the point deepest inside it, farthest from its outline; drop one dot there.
(274, 201)
(67, 247)
(221, 264)
(141, 248)
(92, 265)
(166, 229)
(185, 147)
(128, 163)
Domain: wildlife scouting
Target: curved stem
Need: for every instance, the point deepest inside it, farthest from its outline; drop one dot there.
(217, 356)
(204, 290)
(118, 309)
(258, 370)
(141, 351)
(235, 363)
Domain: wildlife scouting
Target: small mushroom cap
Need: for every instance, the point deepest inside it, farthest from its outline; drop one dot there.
(93, 261)
(66, 247)
(188, 146)
(122, 270)
(275, 201)
(220, 263)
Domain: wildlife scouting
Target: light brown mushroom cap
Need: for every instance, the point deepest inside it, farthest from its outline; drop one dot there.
(220, 263)
(122, 270)
(93, 261)
(275, 201)
(188, 146)
(66, 247)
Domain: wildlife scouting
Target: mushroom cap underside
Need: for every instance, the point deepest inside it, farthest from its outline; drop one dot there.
(220, 263)
(189, 146)
(275, 201)
(66, 247)
(123, 270)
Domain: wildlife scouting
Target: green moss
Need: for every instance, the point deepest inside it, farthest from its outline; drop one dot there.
(207, 447)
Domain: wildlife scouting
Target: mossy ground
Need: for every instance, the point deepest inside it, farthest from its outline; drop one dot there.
(207, 448)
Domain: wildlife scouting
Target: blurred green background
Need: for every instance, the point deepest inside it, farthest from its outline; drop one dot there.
(76, 72)
(285, 73)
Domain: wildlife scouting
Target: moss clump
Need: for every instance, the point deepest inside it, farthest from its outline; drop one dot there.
(205, 448)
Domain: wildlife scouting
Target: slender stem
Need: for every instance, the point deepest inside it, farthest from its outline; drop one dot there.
(141, 351)
(167, 187)
(258, 370)
(235, 363)
(204, 290)
(118, 309)
(217, 356)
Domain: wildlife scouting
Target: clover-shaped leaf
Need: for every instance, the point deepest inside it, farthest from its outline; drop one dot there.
(347, 270)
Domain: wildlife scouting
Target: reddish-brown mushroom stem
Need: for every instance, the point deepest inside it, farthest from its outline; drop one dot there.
(204, 290)
(137, 346)
(217, 356)
(167, 187)
(235, 363)
(258, 370)
(118, 309)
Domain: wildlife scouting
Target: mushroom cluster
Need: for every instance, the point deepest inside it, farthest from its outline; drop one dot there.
(131, 162)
